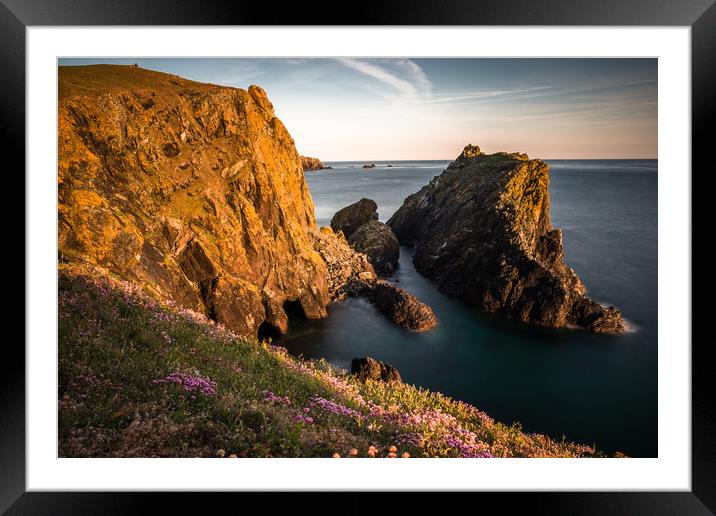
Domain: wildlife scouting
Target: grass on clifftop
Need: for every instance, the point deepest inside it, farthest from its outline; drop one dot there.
(138, 378)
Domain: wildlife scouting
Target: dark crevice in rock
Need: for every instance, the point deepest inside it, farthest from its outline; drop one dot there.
(207, 291)
(268, 331)
(294, 310)
(278, 320)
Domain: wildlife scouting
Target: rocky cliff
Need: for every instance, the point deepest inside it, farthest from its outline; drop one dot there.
(481, 230)
(196, 193)
(193, 191)
(312, 164)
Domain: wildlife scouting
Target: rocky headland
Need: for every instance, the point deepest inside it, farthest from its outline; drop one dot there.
(195, 193)
(481, 231)
(312, 164)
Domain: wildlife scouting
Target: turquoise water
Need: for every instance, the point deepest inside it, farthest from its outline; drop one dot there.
(593, 389)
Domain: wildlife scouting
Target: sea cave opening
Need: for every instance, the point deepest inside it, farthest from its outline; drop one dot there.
(294, 311)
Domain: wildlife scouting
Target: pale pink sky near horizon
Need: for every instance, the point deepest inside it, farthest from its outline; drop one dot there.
(343, 109)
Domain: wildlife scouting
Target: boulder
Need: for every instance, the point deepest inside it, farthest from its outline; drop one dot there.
(354, 216)
(400, 306)
(378, 242)
(481, 231)
(368, 368)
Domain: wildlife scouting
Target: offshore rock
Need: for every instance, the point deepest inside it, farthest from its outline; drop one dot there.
(400, 306)
(378, 242)
(481, 231)
(350, 218)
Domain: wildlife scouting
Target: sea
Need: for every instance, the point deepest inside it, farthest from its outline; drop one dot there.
(567, 383)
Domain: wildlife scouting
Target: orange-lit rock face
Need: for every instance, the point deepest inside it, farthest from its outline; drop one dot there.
(194, 191)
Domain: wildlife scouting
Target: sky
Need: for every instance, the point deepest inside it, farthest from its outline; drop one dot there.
(409, 109)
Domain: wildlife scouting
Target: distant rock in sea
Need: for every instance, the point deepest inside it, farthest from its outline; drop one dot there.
(481, 230)
(371, 165)
(312, 164)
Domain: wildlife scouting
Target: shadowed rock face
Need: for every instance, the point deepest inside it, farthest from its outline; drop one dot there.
(350, 218)
(368, 368)
(194, 191)
(377, 241)
(481, 230)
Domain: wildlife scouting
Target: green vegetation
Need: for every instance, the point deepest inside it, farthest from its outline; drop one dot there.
(138, 378)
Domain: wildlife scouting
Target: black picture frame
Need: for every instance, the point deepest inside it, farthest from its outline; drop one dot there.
(16, 15)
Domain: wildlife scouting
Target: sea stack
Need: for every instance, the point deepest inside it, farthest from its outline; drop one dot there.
(481, 231)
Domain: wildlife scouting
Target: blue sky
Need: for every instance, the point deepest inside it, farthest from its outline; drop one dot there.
(400, 108)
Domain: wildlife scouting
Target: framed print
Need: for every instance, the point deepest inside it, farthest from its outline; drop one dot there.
(457, 235)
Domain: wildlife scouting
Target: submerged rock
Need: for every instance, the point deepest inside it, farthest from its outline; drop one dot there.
(481, 230)
(368, 368)
(350, 218)
(378, 242)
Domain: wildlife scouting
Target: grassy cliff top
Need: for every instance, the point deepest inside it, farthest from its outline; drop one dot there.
(138, 378)
(95, 80)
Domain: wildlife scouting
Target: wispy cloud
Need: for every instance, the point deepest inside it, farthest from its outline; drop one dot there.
(413, 84)
(480, 95)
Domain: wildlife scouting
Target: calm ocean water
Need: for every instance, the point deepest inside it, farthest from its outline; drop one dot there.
(592, 389)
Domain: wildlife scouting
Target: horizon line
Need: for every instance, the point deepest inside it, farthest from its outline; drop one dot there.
(364, 160)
